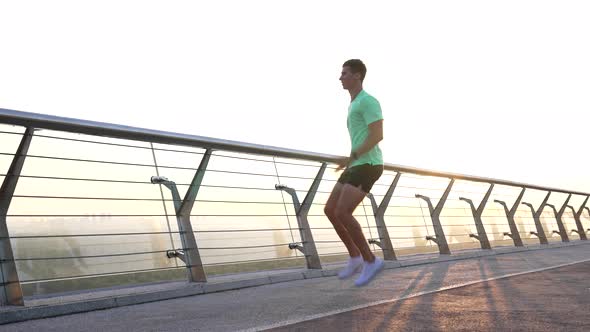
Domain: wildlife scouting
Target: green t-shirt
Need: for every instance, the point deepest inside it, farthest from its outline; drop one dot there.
(363, 110)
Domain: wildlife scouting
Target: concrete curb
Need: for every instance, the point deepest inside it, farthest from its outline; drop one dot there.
(18, 314)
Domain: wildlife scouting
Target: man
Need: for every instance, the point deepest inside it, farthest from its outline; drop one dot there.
(362, 169)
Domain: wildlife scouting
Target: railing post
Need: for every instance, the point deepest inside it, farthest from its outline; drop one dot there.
(481, 231)
(11, 293)
(439, 238)
(379, 212)
(577, 216)
(301, 210)
(537, 217)
(514, 234)
(190, 251)
(558, 214)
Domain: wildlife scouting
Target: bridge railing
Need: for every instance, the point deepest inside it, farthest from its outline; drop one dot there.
(89, 204)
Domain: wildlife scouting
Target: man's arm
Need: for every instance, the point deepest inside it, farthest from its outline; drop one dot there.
(375, 136)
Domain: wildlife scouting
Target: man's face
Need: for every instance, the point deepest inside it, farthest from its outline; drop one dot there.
(348, 78)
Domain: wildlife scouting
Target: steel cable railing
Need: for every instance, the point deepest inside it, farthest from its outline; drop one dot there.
(236, 198)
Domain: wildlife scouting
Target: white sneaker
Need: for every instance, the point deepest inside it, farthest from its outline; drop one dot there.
(370, 270)
(354, 265)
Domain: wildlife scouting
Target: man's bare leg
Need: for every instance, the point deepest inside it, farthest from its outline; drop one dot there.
(350, 198)
(341, 230)
(355, 261)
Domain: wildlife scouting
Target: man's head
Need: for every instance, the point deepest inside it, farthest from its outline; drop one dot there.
(353, 73)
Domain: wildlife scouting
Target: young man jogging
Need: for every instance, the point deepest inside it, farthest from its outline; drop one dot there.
(361, 171)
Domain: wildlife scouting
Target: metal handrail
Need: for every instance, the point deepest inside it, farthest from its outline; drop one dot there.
(44, 121)
(188, 251)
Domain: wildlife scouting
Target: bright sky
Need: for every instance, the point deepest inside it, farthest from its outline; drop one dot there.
(496, 88)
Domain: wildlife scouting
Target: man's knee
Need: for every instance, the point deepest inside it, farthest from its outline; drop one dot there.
(330, 212)
(342, 213)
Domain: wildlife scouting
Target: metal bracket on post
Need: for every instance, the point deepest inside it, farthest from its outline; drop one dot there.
(375, 242)
(301, 210)
(176, 254)
(577, 216)
(296, 246)
(11, 292)
(440, 239)
(514, 234)
(558, 214)
(537, 217)
(190, 251)
(379, 212)
(481, 231)
(432, 238)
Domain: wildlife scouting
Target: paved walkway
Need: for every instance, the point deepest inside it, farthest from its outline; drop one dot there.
(311, 301)
(551, 300)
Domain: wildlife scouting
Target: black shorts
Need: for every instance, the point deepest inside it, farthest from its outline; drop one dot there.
(364, 175)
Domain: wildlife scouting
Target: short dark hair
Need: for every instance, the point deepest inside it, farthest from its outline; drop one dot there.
(357, 66)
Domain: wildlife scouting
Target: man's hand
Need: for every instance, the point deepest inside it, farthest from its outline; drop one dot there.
(342, 163)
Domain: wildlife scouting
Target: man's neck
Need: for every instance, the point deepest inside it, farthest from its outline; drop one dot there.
(355, 91)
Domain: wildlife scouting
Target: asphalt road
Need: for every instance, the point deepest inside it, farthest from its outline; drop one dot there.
(552, 300)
